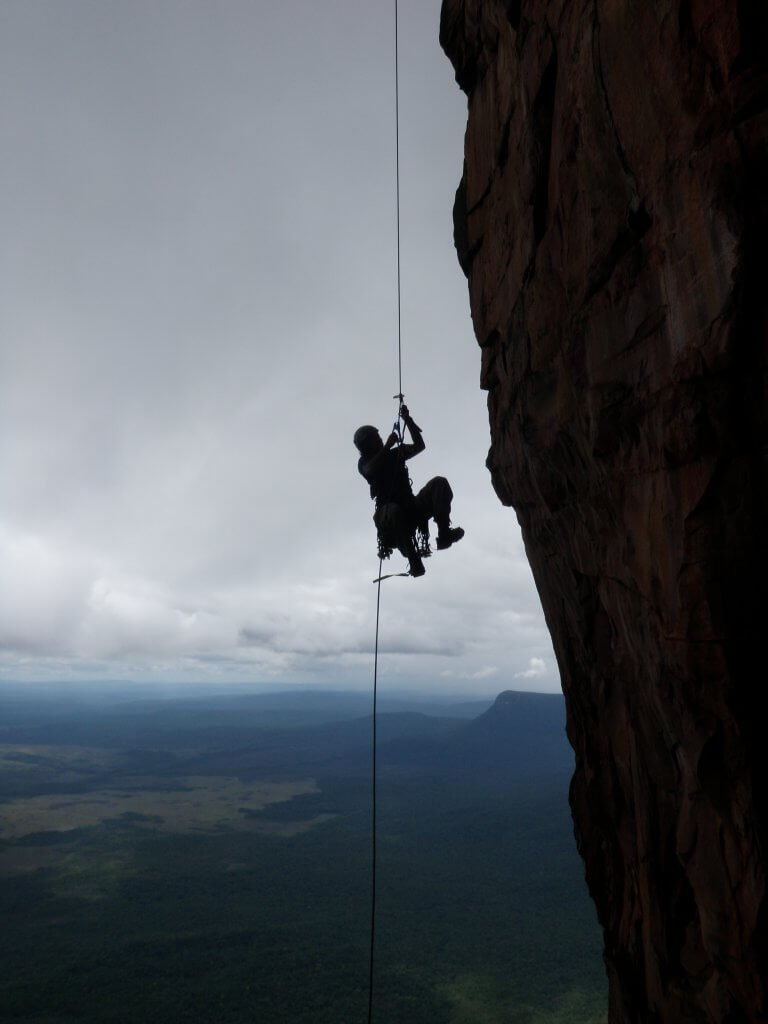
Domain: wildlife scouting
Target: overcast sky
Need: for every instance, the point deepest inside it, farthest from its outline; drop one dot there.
(199, 307)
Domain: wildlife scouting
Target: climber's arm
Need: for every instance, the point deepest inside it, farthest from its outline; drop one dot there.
(409, 450)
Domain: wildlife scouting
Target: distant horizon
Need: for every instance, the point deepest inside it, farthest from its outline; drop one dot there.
(124, 686)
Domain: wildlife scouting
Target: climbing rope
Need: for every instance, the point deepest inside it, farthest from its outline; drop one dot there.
(397, 220)
(399, 396)
(373, 804)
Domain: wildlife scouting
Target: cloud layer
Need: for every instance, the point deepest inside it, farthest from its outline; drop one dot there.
(198, 211)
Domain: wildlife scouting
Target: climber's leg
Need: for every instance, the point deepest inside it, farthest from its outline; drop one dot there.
(434, 502)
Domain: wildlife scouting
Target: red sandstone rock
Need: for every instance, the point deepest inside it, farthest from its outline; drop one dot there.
(611, 220)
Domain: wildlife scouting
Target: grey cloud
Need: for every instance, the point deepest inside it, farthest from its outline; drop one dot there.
(198, 211)
(255, 638)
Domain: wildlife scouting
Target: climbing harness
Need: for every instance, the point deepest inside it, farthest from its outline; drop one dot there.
(419, 539)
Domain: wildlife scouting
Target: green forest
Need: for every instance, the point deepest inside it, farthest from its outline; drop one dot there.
(198, 863)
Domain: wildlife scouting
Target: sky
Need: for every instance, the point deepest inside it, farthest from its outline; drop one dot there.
(200, 306)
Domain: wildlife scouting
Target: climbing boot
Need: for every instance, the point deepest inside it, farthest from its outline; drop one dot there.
(416, 566)
(448, 537)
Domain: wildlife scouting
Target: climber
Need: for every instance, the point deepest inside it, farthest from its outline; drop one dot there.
(402, 518)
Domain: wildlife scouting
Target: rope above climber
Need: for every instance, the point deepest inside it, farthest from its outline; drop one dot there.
(402, 517)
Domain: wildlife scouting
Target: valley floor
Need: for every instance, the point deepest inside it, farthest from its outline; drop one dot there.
(230, 883)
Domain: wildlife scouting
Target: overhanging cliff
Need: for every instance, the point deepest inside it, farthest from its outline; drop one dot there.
(611, 221)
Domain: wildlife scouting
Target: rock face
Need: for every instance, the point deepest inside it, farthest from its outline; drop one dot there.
(612, 221)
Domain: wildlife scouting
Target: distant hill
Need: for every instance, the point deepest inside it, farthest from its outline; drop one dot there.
(521, 737)
(76, 716)
(519, 728)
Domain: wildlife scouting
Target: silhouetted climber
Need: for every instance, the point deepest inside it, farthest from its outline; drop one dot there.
(402, 518)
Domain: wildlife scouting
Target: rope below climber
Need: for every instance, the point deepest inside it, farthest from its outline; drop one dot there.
(402, 517)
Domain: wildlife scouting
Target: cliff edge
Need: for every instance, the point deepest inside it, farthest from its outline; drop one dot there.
(612, 220)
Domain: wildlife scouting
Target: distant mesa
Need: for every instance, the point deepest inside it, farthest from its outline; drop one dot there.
(519, 738)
